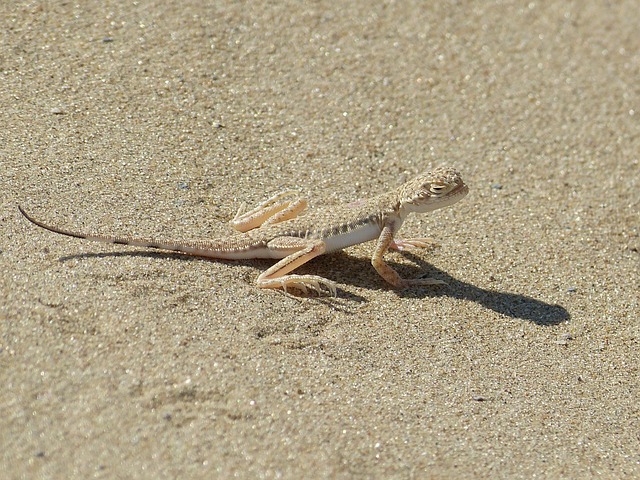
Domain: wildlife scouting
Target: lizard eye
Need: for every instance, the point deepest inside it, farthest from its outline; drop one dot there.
(438, 189)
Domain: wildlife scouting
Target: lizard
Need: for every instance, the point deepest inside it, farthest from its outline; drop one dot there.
(274, 229)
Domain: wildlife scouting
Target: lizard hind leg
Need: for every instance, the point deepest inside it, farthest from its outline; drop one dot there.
(272, 210)
(298, 251)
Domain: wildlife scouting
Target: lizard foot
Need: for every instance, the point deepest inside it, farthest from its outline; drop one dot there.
(400, 244)
(301, 282)
(273, 210)
(406, 283)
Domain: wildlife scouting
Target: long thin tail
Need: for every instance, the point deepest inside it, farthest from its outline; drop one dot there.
(213, 249)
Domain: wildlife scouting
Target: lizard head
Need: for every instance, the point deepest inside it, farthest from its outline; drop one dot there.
(432, 190)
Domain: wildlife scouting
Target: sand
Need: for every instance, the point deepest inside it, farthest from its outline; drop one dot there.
(160, 120)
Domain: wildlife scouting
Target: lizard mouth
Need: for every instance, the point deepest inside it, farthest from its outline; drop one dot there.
(461, 189)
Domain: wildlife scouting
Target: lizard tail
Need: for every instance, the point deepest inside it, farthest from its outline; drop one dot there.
(213, 248)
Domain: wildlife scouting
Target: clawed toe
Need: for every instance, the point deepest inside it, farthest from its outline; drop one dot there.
(302, 283)
(317, 287)
(410, 243)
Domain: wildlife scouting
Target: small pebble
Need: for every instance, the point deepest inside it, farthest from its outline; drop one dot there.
(564, 339)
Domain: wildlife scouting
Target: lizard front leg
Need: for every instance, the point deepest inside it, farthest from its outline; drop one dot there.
(299, 251)
(385, 241)
(273, 210)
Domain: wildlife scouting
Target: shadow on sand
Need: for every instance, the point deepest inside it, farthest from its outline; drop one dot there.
(345, 268)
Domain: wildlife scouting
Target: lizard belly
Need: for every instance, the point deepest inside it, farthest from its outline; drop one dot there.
(352, 237)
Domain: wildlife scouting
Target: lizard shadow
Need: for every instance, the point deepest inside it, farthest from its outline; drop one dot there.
(512, 305)
(360, 272)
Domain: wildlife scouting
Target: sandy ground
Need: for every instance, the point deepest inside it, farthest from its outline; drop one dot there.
(137, 117)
